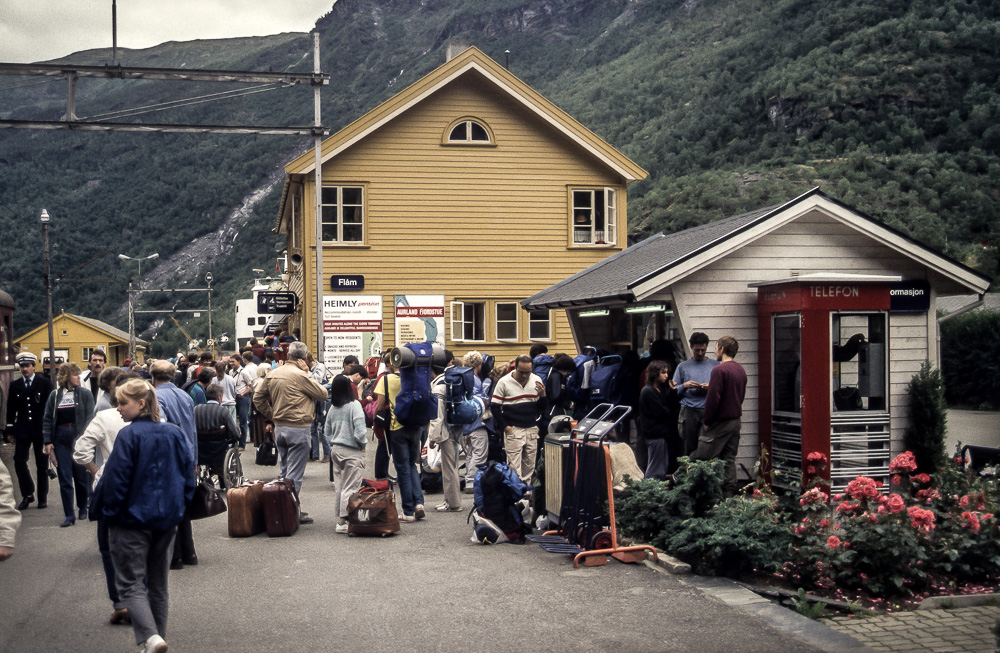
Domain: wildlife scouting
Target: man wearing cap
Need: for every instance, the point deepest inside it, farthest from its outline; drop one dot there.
(25, 408)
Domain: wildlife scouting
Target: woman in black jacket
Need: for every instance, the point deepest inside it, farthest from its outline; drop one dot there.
(658, 418)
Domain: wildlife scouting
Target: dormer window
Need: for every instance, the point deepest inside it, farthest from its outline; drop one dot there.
(467, 131)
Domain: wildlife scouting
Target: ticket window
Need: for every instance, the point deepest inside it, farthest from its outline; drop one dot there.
(859, 366)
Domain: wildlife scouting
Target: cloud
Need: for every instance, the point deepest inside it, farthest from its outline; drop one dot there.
(49, 29)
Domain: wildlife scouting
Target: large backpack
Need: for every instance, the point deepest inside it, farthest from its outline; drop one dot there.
(497, 494)
(371, 366)
(461, 407)
(415, 404)
(605, 381)
(541, 365)
(578, 383)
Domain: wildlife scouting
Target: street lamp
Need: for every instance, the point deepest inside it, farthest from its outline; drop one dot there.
(131, 301)
(44, 219)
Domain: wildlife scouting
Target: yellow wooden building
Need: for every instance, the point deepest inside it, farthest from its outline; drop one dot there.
(449, 203)
(75, 337)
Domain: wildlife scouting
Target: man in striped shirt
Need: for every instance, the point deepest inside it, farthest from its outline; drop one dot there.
(518, 404)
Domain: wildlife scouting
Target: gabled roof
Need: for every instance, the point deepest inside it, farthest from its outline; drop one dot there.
(113, 332)
(658, 261)
(469, 61)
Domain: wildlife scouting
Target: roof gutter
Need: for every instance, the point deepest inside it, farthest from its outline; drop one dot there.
(965, 309)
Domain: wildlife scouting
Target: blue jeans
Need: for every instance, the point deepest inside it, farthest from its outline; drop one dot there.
(243, 413)
(405, 447)
(71, 475)
(316, 431)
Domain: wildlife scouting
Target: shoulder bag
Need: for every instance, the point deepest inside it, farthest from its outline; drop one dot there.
(207, 501)
(267, 452)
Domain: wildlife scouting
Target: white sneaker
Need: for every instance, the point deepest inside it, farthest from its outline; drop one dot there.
(155, 644)
(340, 528)
(419, 512)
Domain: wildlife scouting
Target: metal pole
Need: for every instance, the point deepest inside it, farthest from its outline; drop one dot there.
(209, 279)
(48, 294)
(114, 32)
(131, 322)
(317, 213)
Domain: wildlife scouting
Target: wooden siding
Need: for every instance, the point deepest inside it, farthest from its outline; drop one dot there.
(718, 294)
(472, 223)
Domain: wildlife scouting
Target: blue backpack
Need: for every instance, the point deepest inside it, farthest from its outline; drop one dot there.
(541, 365)
(496, 493)
(605, 381)
(415, 404)
(461, 407)
(578, 383)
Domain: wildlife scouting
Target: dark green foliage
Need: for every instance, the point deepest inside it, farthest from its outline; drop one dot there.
(736, 536)
(892, 108)
(928, 419)
(970, 351)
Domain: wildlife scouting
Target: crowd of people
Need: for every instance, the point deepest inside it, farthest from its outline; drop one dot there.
(123, 441)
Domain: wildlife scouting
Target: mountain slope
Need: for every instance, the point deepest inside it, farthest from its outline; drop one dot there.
(730, 104)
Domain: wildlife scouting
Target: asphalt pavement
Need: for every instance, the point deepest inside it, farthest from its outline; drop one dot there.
(426, 589)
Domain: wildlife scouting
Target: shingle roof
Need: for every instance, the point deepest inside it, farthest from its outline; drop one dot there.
(991, 301)
(104, 326)
(612, 278)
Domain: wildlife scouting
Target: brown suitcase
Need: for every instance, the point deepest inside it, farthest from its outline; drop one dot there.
(246, 509)
(372, 512)
(281, 508)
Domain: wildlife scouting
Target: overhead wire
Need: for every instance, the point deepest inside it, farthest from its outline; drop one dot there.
(177, 104)
(38, 81)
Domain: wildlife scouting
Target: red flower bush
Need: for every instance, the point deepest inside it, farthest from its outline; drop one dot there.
(971, 521)
(833, 542)
(905, 463)
(920, 519)
(896, 503)
(921, 478)
(862, 488)
(814, 496)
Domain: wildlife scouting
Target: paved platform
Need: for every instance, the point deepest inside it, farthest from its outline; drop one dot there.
(961, 629)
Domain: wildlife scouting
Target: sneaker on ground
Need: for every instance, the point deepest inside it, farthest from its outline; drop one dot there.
(407, 518)
(155, 644)
(444, 507)
(340, 528)
(305, 519)
(419, 512)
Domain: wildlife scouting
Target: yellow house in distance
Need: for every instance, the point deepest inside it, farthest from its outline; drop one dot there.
(75, 337)
(445, 206)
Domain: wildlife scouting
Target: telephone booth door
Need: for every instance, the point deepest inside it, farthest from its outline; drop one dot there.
(824, 373)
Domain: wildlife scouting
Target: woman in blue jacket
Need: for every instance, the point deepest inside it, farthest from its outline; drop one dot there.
(143, 494)
(68, 411)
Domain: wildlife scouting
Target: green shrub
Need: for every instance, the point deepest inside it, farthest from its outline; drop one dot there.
(970, 359)
(928, 419)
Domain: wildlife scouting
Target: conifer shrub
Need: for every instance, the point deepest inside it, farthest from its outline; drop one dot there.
(928, 419)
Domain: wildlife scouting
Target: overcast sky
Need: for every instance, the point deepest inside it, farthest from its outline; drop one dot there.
(39, 30)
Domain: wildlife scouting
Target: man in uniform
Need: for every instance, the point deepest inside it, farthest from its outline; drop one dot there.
(25, 408)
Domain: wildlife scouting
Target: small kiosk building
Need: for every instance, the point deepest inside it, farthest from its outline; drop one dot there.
(834, 313)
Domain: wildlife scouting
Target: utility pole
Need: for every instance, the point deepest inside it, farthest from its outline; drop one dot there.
(44, 218)
(318, 354)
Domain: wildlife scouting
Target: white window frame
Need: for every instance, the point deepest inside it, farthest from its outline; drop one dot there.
(516, 321)
(87, 351)
(339, 209)
(547, 322)
(460, 320)
(604, 200)
(469, 140)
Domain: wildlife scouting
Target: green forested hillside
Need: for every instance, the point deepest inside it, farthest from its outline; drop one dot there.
(730, 104)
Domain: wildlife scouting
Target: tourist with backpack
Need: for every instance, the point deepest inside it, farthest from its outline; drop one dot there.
(518, 403)
(407, 394)
(476, 435)
(444, 434)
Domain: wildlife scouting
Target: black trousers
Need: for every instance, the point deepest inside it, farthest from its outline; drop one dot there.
(23, 445)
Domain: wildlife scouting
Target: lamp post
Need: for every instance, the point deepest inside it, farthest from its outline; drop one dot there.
(131, 301)
(44, 218)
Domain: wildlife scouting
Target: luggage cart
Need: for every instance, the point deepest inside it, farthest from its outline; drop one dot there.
(586, 531)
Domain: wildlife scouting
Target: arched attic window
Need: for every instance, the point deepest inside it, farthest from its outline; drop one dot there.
(468, 131)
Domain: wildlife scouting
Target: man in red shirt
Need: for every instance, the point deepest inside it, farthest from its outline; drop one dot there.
(727, 387)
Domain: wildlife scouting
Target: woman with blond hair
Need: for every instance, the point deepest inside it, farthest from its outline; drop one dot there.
(68, 411)
(143, 494)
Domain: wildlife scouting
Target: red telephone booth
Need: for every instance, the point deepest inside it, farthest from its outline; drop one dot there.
(824, 370)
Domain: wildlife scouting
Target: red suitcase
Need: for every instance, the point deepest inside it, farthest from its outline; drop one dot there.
(281, 508)
(246, 512)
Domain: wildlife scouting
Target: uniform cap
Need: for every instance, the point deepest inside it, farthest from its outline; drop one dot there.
(26, 357)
